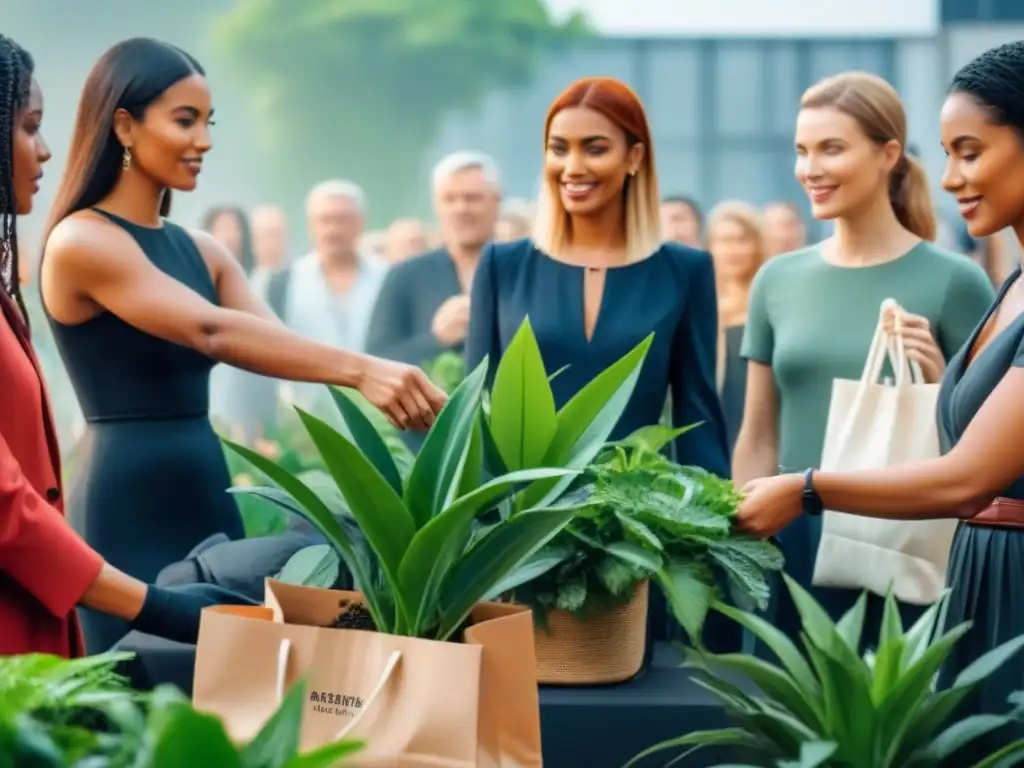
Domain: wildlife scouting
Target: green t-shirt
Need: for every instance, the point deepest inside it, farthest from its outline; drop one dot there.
(813, 321)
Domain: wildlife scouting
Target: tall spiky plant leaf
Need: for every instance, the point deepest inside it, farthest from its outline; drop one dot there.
(366, 437)
(438, 545)
(435, 474)
(523, 417)
(322, 518)
(382, 516)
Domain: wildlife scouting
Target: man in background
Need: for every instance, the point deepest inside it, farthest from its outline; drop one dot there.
(328, 294)
(269, 226)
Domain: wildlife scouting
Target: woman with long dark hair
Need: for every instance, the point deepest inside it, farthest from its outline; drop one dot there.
(46, 569)
(142, 309)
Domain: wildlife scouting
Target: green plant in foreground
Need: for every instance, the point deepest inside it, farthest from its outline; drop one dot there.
(56, 713)
(426, 548)
(827, 705)
(646, 517)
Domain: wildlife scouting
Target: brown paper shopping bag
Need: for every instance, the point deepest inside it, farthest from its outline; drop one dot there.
(414, 702)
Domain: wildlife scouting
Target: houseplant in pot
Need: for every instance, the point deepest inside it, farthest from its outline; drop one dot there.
(824, 704)
(645, 518)
(425, 551)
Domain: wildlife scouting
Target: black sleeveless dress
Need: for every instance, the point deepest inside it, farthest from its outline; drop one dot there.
(152, 480)
(986, 565)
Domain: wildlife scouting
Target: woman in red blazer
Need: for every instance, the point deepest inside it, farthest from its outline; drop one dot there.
(46, 570)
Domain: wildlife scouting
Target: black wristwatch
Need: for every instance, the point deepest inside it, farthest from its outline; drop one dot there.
(811, 501)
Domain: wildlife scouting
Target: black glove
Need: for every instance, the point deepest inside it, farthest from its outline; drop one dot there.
(173, 612)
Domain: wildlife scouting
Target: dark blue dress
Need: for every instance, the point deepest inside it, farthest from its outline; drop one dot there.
(671, 293)
(986, 565)
(152, 480)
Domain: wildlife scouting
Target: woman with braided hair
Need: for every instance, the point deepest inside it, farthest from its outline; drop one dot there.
(980, 479)
(45, 568)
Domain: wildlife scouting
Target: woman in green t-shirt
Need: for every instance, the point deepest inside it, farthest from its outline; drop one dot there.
(813, 312)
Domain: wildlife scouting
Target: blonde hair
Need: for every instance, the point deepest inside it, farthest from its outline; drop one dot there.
(552, 228)
(877, 108)
(749, 219)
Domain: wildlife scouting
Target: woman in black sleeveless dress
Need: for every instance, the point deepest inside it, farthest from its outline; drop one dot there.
(142, 309)
(981, 408)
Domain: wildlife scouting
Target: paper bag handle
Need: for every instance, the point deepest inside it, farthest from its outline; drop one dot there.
(885, 345)
(283, 654)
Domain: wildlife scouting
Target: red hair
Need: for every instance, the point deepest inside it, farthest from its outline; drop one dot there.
(619, 104)
(613, 99)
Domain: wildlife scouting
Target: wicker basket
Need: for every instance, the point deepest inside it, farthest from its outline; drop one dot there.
(604, 648)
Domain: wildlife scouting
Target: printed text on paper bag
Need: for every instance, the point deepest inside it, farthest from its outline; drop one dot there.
(336, 704)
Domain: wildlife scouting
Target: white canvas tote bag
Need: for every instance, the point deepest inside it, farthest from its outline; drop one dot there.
(874, 425)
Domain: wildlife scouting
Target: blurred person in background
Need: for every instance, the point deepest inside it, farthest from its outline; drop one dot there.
(142, 309)
(682, 221)
(736, 243)
(243, 403)
(597, 279)
(784, 229)
(404, 239)
(515, 221)
(812, 313)
(423, 307)
(328, 294)
(46, 568)
(269, 227)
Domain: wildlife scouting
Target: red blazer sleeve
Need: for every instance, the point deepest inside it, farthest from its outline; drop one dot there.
(38, 549)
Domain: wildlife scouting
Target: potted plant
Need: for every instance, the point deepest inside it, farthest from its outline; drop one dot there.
(426, 548)
(645, 518)
(824, 704)
(59, 713)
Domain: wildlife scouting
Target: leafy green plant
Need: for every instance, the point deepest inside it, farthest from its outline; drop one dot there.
(447, 370)
(827, 705)
(424, 549)
(56, 713)
(648, 518)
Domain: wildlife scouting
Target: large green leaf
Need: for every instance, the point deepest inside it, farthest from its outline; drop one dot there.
(542, 562)
(775, 683)
(327, 756)
(189, 738)
(438, 545)
(689, 590)
(323, 519)
(366, 437)
(523, 416)
(315, 566)
(958, 735)
(634, 555)
(382, 517)
(435, 472)
(586, 422)
(500, 552)
(278, 740)
(722, 737)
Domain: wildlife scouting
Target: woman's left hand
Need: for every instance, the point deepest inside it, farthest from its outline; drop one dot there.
(770, 504)
(920, 343)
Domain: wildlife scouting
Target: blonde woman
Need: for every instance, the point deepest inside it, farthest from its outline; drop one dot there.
(812, 313)
(596, 279)
(737, 245)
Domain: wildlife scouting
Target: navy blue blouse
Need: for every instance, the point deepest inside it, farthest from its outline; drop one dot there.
(671, 293)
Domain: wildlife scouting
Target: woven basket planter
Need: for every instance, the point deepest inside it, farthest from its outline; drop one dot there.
(606, 647)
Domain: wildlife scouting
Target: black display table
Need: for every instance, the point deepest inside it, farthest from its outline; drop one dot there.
(598, 727)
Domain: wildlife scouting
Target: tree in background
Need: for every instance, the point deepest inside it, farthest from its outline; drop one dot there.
(359, 88)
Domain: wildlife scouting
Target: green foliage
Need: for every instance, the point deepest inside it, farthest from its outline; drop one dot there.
(382, 75)
(426, 547)
(56, 713)
(824, 704)
(648, 518)
(447, 370)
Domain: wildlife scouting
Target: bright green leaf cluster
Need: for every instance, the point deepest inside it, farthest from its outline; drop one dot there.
(825, 704)
(56, 713)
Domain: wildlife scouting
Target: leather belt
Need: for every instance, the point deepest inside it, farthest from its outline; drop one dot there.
(1003, 513)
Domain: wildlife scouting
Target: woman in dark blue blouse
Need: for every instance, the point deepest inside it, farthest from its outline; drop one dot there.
(596, 279)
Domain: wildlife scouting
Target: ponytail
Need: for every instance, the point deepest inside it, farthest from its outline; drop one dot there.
(911, 199)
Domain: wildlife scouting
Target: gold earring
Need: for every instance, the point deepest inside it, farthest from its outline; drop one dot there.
(126, 159)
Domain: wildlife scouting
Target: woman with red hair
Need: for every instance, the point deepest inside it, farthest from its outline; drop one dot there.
(596, 278)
